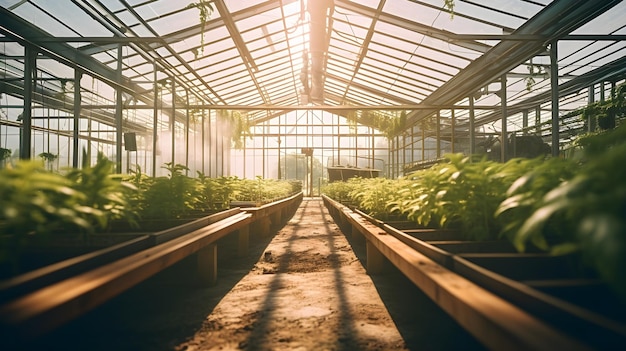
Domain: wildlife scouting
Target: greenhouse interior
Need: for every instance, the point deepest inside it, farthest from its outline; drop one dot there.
(357, 106)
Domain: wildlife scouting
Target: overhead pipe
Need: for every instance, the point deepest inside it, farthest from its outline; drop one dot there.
(321, 12)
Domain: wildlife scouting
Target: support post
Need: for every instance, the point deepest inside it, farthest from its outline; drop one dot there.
(554, 85)
(76, 128)
(243, 241)
(472, 129)
(264, 226)
(375, 259)
(155, 120)
(591, 121)
(504, 140)
(118, 112)
(207, 265)
(30, 65)
(276, 218)
(357, 236)
(438, 134)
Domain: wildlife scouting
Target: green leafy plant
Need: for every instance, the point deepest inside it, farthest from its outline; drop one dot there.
(215, 193)
(205, 10)
(449, 5)
(374, 195)
(240, 126)
(389, 124)
(458, 193)
(523, 198)
(5, 154)
(169, 197)
(106, 193)
(340, 191)
(260, 190)
(590, 206)
(48, 158)
(36, 202)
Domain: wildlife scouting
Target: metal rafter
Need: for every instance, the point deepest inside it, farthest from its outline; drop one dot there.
(555, 21)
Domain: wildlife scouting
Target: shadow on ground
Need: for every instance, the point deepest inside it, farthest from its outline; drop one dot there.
(159, 313)
(422, 324)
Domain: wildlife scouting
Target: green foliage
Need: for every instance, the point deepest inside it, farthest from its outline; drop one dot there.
(106, 193)
(36, 201)
(216, 193)
(240, 127)
(205, 10)
(459, 193)
(589, 207)
(4, 153)
(449, 5)
(523, 199)
(260, 190)
(389, 125)
(374, 195)
(606, 112)
(340, 191)
(172, 196)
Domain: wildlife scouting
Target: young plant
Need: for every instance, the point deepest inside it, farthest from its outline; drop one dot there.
(591, 207)
(172, 196)
(373, 195)
(524, 198)
(106, 193)
(36, 202)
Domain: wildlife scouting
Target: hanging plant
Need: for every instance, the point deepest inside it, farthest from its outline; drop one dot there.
(4, 153)
(608, 111)
(389, 125)
(48, 157)
(530, 80)
(205, 9)
(449, 5)
(240, 127)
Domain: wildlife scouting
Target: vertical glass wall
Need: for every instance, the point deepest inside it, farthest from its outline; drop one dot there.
(277, 148)
(150, 137)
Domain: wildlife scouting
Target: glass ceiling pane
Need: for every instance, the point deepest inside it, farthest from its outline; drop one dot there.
(408, 58)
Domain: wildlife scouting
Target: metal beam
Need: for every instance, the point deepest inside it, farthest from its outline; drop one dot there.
(364, 47)
(411, 26)
(553, 22)
(25, 33)
(607, 72)
(247, 58)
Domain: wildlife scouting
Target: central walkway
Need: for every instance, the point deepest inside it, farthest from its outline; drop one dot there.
(305, 288)
(308, 291)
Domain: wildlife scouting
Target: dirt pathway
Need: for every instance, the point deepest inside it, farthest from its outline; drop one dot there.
(308, 291)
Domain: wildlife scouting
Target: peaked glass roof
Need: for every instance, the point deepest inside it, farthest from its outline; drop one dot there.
(272, 56)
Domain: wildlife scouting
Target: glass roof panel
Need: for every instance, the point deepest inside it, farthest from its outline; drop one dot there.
(406, 53)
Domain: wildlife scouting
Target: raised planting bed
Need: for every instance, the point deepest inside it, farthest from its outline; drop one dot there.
(64, 258)
(557, 289)
(39, 301)
(495, 321)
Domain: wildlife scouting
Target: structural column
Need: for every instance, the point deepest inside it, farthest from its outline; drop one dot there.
(207, 265)
(472, 132)
(504, 147)
(30, 63)
(118, 112)
(554, 84)
(77, 103)
(375, 259)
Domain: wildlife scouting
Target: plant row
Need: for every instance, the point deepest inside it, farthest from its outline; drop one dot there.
(556, 205)
(35, 202)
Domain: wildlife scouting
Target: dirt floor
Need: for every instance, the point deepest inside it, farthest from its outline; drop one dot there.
(304, 289)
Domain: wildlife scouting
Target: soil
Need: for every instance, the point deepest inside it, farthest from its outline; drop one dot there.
(304, 289)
